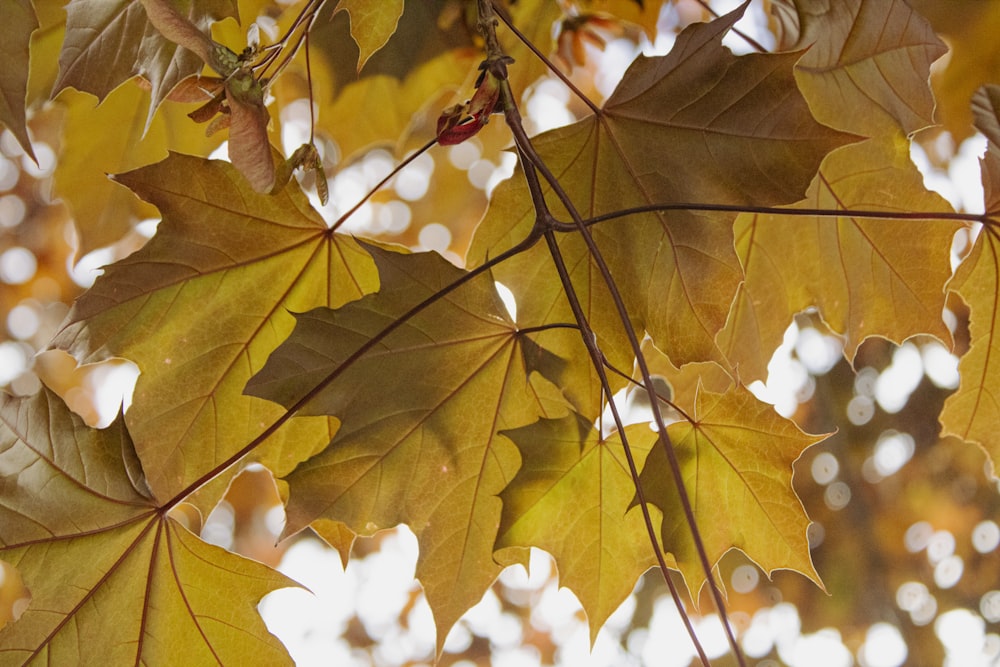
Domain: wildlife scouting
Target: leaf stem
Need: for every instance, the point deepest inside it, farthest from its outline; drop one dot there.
(547, 327)
(308, 14)
(312, 104)
(378, 186)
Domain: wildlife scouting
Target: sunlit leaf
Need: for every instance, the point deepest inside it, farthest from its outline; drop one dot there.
(420, 413)
(19, 21)
(867, 63)
(697, 125)
(736, 461)
(970, 28)
(867, 277)
(200, 307)
(337, 535)
(429, 63)
(973, 412)
(102, 211)
(570, 498)
(372, 24)
(112, 579)
(422, 64)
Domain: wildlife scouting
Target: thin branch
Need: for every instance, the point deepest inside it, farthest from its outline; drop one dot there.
(542, 220)
(496, 59)
(983, 218)
(545, 60)
(378, 186)
(681, 411)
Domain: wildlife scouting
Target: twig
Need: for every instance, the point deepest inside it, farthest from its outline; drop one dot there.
(497, 61)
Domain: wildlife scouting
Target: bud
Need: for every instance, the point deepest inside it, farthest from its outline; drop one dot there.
(461, 121)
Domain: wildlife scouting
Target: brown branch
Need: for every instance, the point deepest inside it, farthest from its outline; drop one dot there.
(487, 24)
(548, 63)
(378, 186)
(983, 218)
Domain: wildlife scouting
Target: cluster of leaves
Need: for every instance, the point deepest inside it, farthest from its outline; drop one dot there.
(681, 224)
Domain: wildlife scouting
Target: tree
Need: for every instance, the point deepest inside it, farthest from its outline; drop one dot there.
(660, 246)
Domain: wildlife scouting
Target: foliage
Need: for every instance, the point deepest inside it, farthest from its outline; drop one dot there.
(661, 244)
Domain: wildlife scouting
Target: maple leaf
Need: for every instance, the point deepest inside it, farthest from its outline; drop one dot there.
(973, 412)
(970, 29)
(736, 457)
(570, 498)
(372, 24)
(868, 277)
(109, 41)
(426, 402)
(419, 412)
(112, 579)
(867, 65)
(696, 125)
(19, 21)
(200, 307)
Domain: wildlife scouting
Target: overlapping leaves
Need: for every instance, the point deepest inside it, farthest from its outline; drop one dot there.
(867, 277)
(107, 43)
(723, 130)
(423, 402)
(104, 212)
(867, 63)
(421, 385)
(737, 443)
(973, 412)
(200, 307)
(571, 497)
(112, 579)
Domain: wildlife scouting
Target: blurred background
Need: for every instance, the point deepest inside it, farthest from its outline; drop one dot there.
(905, 532)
